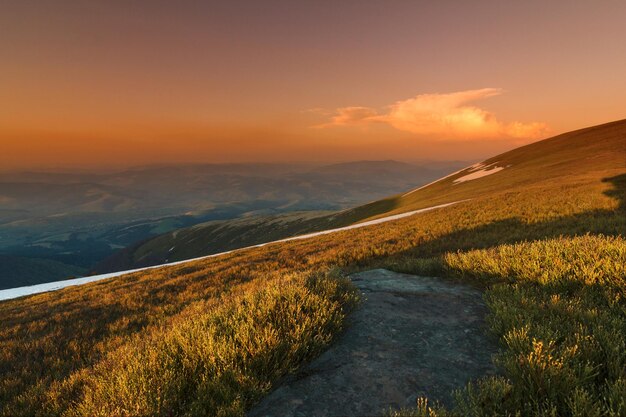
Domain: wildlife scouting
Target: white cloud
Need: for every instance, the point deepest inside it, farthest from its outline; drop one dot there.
(441, 116)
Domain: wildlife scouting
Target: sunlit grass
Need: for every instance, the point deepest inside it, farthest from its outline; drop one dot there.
(53, 341)
(558, 309)
(212, 336)
(218, 361)
(560, 314)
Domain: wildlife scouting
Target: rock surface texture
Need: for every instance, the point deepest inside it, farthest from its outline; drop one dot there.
(412, 336)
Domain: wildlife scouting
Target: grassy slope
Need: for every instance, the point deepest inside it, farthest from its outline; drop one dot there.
(213, 237)
(67, 352)
(525, 165)
(559, 158)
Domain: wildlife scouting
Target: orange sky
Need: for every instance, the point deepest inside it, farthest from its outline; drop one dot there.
(96, 84)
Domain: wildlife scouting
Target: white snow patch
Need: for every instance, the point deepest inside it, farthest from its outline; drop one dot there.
(477, 166)
(53, 286)
(477, 170)
(436, 181)
(479, 173)
(172, 248)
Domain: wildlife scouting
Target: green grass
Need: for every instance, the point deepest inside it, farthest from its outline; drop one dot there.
(144, 343)
(557, 307)
(560, 314)
(218, 361)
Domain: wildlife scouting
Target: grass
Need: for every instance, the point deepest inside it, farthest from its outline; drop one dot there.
(580, 151)
(560, 313)
(218, 361)
(557, 307)
(146, 343)
(214, 237)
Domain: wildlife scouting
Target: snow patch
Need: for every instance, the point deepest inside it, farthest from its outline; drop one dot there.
(477, 166)
(478, 172)
(53, 286)
(436, 181)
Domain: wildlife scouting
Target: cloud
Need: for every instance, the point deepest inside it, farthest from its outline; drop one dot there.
(346, 116)
(318, 110)
(441, 116)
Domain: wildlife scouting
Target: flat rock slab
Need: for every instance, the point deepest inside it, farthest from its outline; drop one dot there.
(412, 337)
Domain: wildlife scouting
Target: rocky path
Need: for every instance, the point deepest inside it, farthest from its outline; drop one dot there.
(413, 336)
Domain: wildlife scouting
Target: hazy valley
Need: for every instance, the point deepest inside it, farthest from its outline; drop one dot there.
(77, 222)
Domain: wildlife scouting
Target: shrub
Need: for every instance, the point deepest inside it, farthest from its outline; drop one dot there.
(219, 361)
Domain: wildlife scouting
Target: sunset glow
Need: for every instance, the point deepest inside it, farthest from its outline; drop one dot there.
(442, 117)
(101, 84)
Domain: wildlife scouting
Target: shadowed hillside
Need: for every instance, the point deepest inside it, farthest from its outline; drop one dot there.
(16, 271)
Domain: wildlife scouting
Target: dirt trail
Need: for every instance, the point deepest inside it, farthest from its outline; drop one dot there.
(413, 336)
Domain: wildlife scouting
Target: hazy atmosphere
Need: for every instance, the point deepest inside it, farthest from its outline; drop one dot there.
(101, 84)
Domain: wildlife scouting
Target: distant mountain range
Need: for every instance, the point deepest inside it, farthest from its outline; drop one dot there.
(586, 150)
(79, 219)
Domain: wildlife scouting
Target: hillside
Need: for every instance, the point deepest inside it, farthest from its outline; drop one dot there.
(544, 237)
(16, 271)
(566, 158)
(212, 237)
(80, 219)
(558, 157)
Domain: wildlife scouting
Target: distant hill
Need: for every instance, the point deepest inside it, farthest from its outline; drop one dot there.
(80, 219)
(570, 154)
(17, 271)
(170, 190)
(212, 237)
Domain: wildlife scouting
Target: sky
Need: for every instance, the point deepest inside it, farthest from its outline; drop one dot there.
(95, 84)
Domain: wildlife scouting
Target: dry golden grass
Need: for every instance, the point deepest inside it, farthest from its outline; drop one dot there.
(558, 307)
(65, 352)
